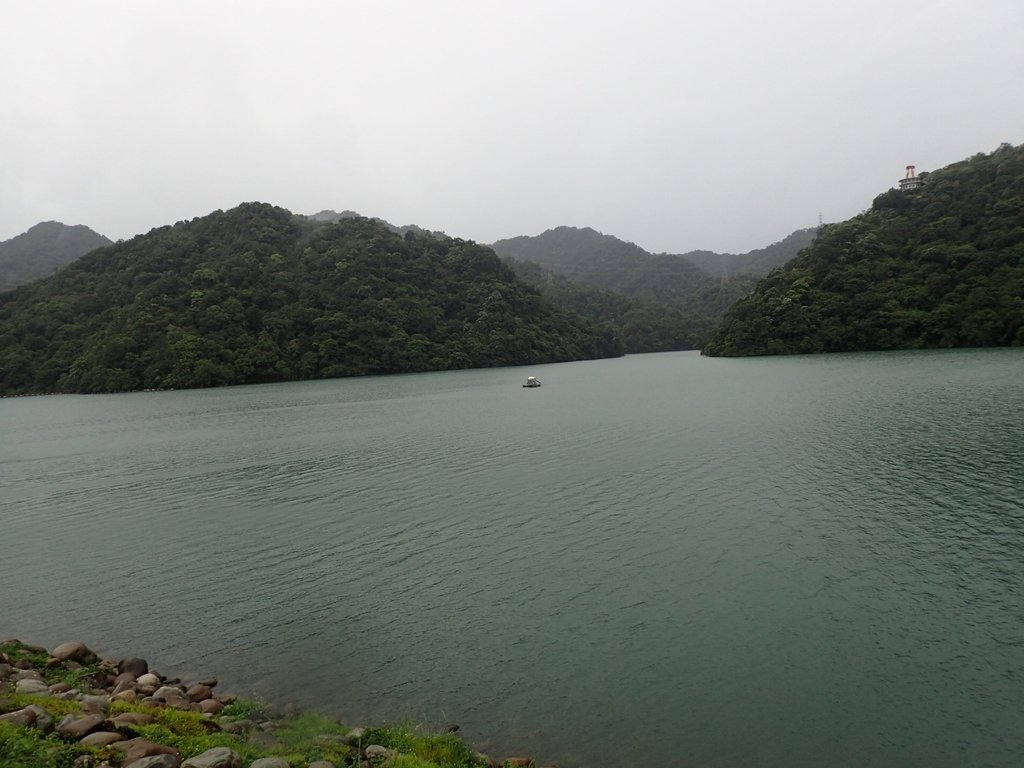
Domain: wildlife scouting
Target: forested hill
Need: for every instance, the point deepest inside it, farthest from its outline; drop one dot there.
(256, 294)
(941, 266)
(758, 262)
(42, 250)
(595, 260)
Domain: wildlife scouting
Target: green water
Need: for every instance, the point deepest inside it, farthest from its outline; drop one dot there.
(657, 560)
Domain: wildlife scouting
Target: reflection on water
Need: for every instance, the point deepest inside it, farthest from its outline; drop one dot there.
(659, 560)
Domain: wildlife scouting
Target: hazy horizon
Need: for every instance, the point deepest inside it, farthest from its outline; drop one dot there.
(701, 126)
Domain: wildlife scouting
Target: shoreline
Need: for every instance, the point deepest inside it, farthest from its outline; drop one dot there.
(68, 707)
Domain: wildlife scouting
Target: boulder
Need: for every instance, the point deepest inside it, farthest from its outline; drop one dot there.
(155, 761)
(95, 703)
(134, 666)
(101, 739)
(173, 698)
(26, 718)
(33, 686)
(124, 678)
(199, 692)
(77, 726)
(136, 749)
(218, 757)
(128, 695)
(210, 707)
(148, 679)
(44, 720)
(270, 762)
(210, 682)
(131, 719)
(62, 688)
(376, 751)
(74, 652)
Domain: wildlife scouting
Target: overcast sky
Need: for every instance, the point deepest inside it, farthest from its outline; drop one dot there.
(674, 124)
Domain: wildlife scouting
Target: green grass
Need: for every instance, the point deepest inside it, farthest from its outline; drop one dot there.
(27, 748)
(445, 750)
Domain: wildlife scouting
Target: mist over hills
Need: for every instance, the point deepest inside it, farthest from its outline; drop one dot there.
(933, 267)
(44, 249)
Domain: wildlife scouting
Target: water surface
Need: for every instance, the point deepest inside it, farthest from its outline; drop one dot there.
(655, 560)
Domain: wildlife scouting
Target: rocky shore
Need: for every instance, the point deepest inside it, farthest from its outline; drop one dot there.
(68, 708)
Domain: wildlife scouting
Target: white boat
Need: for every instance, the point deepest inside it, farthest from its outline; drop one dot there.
(532, 381)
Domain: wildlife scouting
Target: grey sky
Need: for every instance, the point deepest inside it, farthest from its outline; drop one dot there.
(676, 125)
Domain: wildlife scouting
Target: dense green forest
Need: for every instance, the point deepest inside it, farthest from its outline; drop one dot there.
(256, 294)
(43, 250)
(941, 266)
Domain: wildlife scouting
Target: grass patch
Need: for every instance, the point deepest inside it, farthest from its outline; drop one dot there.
(27, 748)
(245, 709)
(445, 750)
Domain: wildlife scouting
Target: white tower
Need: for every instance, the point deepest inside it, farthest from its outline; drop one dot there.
(911, 181)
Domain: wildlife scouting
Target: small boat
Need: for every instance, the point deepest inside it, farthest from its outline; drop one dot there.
(532, 381)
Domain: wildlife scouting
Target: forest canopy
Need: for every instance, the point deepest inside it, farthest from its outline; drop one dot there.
(941, 266)
(257, 294)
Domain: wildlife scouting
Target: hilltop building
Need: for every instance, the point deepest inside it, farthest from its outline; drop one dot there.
(911, 181)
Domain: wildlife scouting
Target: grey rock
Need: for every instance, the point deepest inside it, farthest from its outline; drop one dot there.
(63, 688)
(218, 757)
(27, 674)
(155, 761)
(148, 679)
(95, 703)
(133, 666)
(270, 762)
(135, 749)
(74, 651)
(77, 726)
(376, 751)
(101, 739)
(44, 720)
(210, 682)
(26, 718)
(32, 686)
(211, 706)
(199, 692)
(130, 719)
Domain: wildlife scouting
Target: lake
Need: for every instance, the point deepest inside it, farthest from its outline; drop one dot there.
(654, 560)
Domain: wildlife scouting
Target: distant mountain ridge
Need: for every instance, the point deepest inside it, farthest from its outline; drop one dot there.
(663, 301)
(42, 250)
(936, 267)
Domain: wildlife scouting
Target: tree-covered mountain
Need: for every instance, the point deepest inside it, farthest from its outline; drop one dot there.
(758, 262)
(638, 326)
(42, 250)
(671, 297)
(256, 294)
(940, 266)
